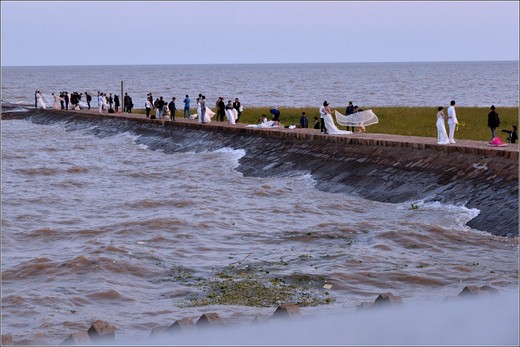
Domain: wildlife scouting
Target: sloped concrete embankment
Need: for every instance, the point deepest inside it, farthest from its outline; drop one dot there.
(373, 169)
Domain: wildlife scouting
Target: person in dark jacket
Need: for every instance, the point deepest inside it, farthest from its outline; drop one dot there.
(117, 103)
(237, 106)
(349, 110)
(221, 109)
(172, 108)
(304, 122)
(493, 121)
(316, 123)
(89, 99)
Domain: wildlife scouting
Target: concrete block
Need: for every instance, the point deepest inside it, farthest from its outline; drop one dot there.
(386, 299)
(476, 290)
(181, 324)
(101, 331)
(286, 311)
(208, 319)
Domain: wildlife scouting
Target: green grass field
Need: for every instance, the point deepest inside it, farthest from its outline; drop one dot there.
(409, 121)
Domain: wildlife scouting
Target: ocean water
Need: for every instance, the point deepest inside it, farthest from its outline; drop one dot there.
(290, 85)
(102, 227)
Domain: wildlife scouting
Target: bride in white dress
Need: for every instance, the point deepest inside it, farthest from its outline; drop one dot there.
(199, 112)
(442, 135)
(56, 104)
(231, 113)
(39, 100)
(329, 121)
(207, 116)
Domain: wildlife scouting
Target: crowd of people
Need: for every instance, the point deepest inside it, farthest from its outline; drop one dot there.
(166, 111)
(64, 101)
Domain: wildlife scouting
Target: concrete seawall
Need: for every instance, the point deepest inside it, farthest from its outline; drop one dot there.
(379, 167)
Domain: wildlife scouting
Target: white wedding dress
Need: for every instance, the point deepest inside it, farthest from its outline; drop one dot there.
(332, 128)
(231, 115)
(207, 117)
(264, 124)
(39, 101)
(442, 135)
(209, 114)
(199, 113)
(56, 104)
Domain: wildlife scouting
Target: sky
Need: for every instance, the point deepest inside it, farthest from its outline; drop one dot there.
(235, 32)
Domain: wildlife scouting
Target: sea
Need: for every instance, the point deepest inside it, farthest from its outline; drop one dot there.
(280, 85)
(96, 225)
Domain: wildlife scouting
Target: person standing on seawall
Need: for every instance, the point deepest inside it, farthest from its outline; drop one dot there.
(442, 136)
(238, 107)
(162, 104)
(89, 99)
(104, 101)
(172, 108)
(126, 103)
(40, 103)
(217, 107)
(452, 121)
(186, 106)
(117, 103)
(203, 108)
(56, 104)
(110, 101)
(493, 121)
(349, 110)
(62, 100)
(67, 100)
(304, 122)
(323, 129)
(221, 109)
(148, 107)
(100, 102)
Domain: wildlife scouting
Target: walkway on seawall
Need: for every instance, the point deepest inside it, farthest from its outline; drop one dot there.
(462, 146)
(509, 151)
(379, 167)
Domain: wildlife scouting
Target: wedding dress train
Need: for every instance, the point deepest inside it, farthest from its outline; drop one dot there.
(332, 128)
(358, 119)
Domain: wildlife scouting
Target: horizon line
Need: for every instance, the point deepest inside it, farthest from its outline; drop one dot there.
(271, 63)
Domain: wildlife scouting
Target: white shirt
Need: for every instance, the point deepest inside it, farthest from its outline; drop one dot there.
(452, 116)
(322, 111)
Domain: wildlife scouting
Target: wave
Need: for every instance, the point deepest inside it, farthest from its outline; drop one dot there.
(15, 109)
(334, 167)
